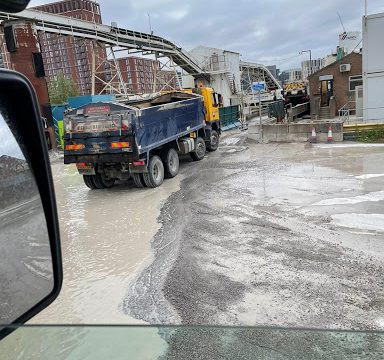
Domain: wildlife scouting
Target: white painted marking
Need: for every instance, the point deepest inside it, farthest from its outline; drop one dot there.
(374, 222)
(373, 196)
(341, 146)
(369, 176)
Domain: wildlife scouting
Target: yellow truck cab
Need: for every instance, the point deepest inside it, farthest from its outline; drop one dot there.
(212, 102)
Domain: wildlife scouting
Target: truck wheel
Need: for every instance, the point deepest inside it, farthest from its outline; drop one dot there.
(138, 180)
(107, 183)
(199, 153)
(96, 180)
(213, 144)
(155, 175)
(88, 181)
(171, 163)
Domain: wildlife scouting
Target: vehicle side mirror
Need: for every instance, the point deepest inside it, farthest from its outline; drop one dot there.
(13, 6)
(30, 266)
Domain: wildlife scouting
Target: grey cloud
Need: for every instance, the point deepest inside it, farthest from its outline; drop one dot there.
(259, 30)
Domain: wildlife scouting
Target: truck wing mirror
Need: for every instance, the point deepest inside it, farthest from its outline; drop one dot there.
(13, 6)
(30, 266)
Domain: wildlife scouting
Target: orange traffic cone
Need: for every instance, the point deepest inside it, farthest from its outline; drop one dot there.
(313, 138)
(330, 135)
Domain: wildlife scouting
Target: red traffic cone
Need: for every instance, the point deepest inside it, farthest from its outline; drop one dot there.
(313, 138)
(330, 135)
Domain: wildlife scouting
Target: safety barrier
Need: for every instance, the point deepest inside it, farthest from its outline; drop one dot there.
(229, 117)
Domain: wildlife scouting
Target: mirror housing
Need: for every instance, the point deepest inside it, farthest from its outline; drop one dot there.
(18, 102)
(13, 6)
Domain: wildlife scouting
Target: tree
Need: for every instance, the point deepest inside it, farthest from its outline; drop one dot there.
(61, 89)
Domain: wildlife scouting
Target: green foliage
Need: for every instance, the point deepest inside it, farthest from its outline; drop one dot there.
(371, 136)
(61, 89)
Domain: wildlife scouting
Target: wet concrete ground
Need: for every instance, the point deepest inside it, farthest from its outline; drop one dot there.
(272, 234)
(105, 238)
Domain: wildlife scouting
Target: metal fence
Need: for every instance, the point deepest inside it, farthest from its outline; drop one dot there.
(276, 110)
(229, 117)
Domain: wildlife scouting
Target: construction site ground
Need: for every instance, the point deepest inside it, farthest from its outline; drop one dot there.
(283, 235)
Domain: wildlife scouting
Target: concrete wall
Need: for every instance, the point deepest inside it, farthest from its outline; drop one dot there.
(341, 91)
(295, 132)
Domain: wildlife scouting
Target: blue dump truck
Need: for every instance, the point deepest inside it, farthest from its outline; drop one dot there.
(140, 140)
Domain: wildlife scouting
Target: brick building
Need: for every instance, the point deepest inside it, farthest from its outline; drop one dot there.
(73, 56)
(5, 61)
(68, 55)
(335, 85)
(139, 73)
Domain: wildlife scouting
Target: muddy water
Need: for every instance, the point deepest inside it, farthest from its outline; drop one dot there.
(105, 237)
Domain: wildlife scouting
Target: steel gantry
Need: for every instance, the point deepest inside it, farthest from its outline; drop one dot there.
(113, 39)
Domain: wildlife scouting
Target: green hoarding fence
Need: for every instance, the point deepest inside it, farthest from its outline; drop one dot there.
(276, 110)
(229, 117)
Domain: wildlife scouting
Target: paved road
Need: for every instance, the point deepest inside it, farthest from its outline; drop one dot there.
(272, 234)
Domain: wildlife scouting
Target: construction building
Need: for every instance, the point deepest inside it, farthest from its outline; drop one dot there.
(229, 76)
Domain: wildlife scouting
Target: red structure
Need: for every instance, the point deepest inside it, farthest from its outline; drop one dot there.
(73, 56)
(67, 55)
(25, 57)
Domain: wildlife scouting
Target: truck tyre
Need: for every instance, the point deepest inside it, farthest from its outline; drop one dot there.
(96, 180)
(155, 175)
(138, 180)
(88, 181)
(106, 183)
(213, 143)
(199, 153)
(171, 163)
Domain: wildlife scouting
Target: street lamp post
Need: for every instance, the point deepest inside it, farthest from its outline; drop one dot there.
(310, 60)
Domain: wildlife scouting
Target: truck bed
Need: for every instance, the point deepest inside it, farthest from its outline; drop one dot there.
(148, 124)
(159, 124)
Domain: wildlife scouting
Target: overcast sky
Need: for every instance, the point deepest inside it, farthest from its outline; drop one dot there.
(268, 31)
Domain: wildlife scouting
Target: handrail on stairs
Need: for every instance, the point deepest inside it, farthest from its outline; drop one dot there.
(345, 111)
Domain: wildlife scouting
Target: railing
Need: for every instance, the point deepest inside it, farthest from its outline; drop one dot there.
(297, 110)
(345, 111)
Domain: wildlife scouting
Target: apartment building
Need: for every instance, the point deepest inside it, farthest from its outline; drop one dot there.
(308, 67)
(68, 55)
(139, 75)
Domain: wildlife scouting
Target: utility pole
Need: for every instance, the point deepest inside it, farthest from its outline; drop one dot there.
(150, 26)
(260, 109)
